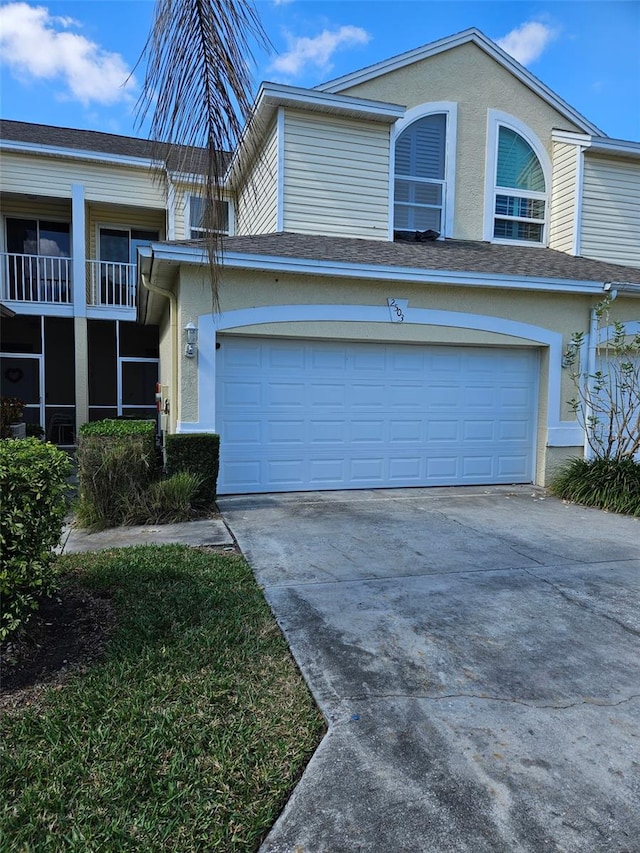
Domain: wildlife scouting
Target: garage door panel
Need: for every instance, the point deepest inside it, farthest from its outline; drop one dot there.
(322, 415)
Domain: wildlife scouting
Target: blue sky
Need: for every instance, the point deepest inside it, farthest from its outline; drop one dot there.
(65, 62)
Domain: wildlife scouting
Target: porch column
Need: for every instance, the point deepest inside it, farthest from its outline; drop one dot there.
(79, 280)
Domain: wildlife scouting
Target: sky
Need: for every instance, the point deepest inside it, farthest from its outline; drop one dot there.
(73, 63)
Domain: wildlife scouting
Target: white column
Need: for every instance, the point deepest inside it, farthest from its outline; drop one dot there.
(78, 250)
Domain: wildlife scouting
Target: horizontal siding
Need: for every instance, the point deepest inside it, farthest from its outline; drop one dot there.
(48, 176)
(563, 197)
(257, 201)
(611, 210)
(336, 176)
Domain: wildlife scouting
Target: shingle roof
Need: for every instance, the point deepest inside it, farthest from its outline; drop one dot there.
(443, 255)
(100, 143)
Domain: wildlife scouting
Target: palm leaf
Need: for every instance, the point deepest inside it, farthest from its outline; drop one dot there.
(197, 91)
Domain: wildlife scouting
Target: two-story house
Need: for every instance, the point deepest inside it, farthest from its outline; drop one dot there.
(347, 353)
(76, 205)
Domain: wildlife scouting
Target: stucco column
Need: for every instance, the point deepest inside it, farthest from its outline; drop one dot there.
(79, 280)
(82, 370)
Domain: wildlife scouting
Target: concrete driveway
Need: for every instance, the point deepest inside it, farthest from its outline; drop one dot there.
(477, 655)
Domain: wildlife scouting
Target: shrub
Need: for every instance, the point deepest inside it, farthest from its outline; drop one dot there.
(612, 484)
(198, 453)
(11, 409)
(169, 500)
(116, 464)
(33, 484)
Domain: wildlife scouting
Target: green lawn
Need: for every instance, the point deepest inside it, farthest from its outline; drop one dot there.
(188, 735)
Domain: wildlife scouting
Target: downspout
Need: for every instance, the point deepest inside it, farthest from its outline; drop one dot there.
(173, 331)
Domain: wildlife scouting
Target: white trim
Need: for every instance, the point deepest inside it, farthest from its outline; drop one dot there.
(78, 251)
(46, 309)
(473, 36)
(280, 130)
(78, 154)
(495, 120)
(209, 325)
(283, 95)
(268, 263)
(171, 209)
(450, 110)
(571, 138)
(615, 146)
(577, 208)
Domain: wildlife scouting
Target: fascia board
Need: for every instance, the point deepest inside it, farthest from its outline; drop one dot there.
(478, 38)
(607, 145)
(77, 154)
(571, 138)
(271, 96)
(302, 266)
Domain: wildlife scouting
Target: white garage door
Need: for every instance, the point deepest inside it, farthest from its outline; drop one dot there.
(307, 415)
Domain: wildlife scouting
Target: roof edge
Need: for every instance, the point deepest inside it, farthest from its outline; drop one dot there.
(473, 36)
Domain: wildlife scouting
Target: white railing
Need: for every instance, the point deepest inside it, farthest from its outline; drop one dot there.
(112, 284)
(36, 278)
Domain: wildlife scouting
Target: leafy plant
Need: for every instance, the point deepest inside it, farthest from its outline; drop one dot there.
(33, 484)
(168, 500)
(198, 453)
(612, 484)
(11, 409)
(607, 399)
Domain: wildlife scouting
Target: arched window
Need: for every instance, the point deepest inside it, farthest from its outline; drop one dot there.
(420, 186)
(520, 197)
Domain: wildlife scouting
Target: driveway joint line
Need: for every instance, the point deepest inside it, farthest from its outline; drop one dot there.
(487, 698)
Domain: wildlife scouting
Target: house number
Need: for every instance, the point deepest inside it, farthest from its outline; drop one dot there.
(397, 307)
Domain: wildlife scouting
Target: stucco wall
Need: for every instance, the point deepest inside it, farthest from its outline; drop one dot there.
(469, 77)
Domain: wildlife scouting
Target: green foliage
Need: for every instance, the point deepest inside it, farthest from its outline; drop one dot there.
(168, 500)
(32, 484)
(116, 464)
(11, 409)
(119, 428)
(34, 431)
(198, 453)
(607, 398)
(187, 736)
(120, 479)
(612, 484)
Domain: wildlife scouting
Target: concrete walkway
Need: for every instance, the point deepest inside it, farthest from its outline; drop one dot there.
(205, 533)
(477, 655)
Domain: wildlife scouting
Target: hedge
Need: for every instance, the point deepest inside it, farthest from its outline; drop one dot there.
(196, 453)
(33, 485)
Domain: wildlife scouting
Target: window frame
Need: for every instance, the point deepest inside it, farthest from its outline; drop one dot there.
(496, 120)
(450, 110)
(189, 228)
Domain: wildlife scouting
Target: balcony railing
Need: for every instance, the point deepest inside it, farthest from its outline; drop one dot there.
(111, 284)
(36, 278)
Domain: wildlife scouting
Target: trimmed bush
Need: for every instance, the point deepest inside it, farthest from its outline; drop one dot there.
(197, 453)
(11, 409)
(116, 464)
(33, 484)
(611, 484)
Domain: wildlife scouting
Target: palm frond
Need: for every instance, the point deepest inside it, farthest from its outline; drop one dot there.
(197, 93)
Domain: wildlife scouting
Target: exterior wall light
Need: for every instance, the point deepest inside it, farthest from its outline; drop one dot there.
(191, 340)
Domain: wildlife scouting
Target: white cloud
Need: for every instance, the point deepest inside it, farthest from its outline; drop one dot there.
(527, 42)
(317, 51)
(37, 45)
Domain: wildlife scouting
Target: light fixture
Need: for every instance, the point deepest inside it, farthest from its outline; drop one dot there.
(191, 340)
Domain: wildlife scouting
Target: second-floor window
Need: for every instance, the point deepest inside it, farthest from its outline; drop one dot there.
(201, 220)
(520, 201)
(420, 187)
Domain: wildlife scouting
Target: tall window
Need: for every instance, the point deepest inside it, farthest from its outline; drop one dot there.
(520, 202)
(201, 220)
(420, 187)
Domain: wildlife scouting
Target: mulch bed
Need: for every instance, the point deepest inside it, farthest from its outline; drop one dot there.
(66, 634)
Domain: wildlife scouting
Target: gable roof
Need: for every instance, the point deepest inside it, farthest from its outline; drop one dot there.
(60, 141)
(469, 36)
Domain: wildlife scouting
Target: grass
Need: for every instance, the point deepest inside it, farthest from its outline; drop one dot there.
(609, 484)
(189, 735)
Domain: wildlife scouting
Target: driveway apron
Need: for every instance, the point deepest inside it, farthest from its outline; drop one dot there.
(476, 653)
